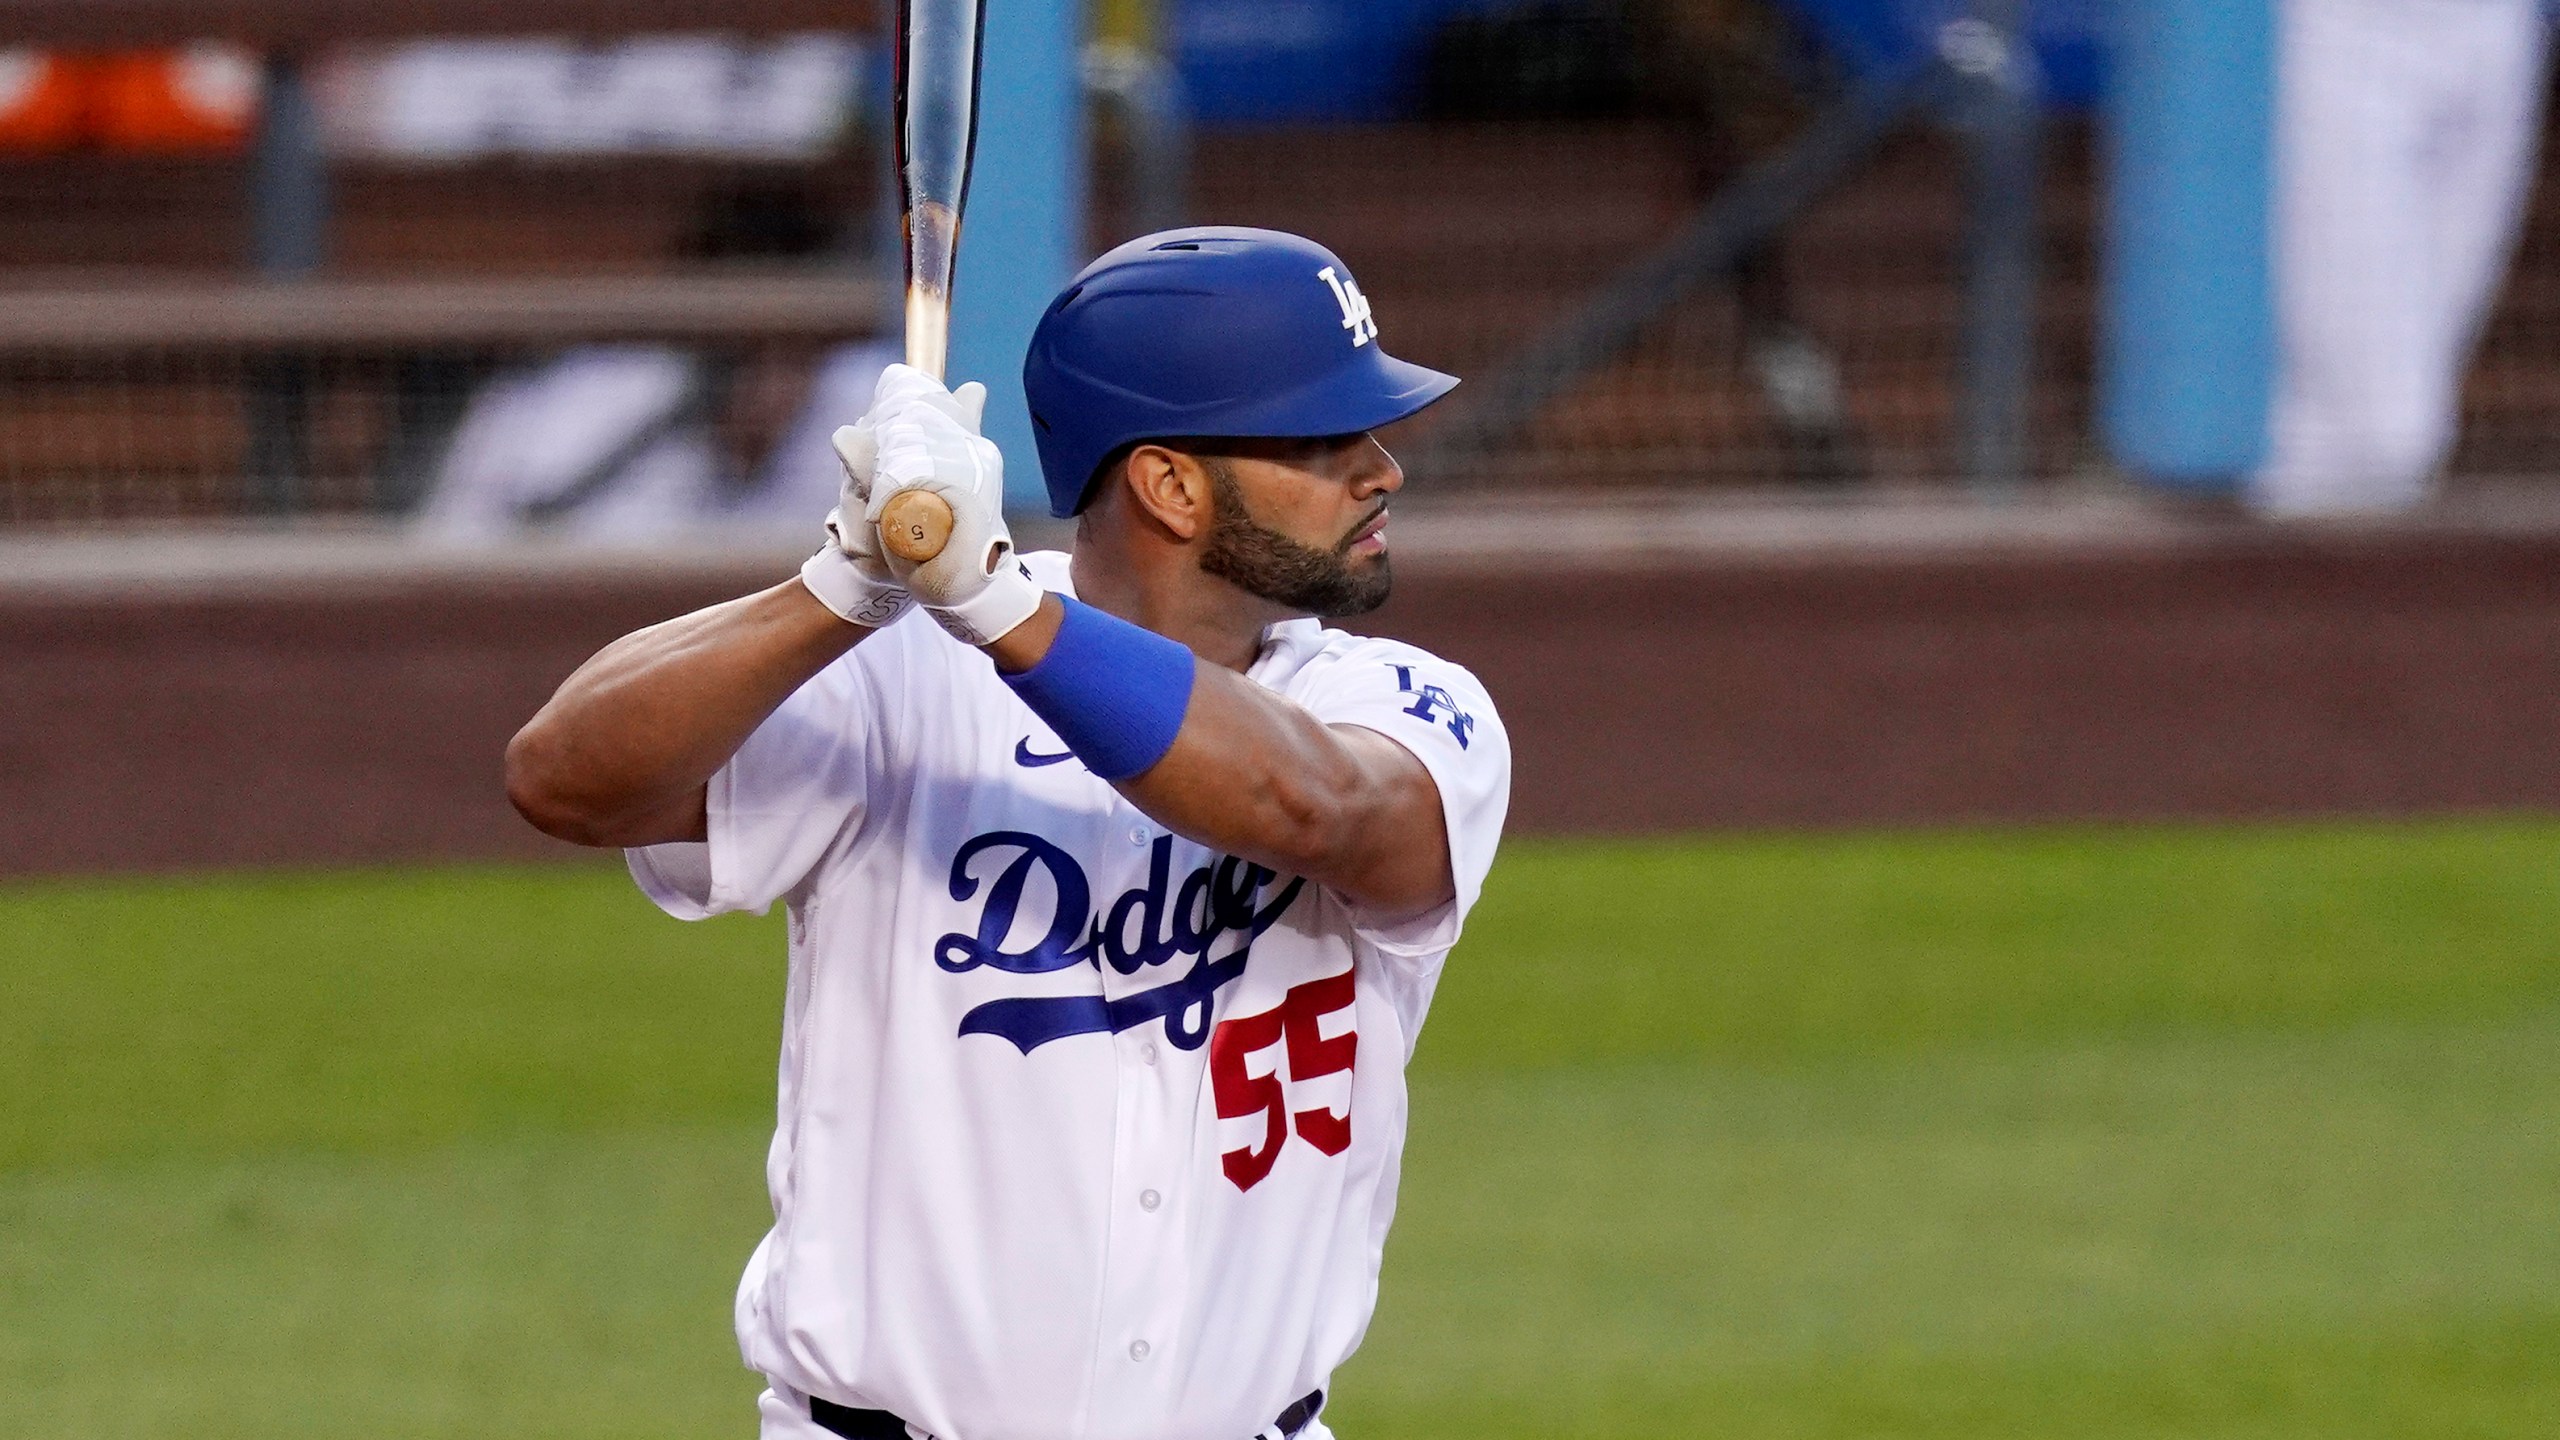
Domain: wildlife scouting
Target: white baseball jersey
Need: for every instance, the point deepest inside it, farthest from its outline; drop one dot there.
(1085, 1131)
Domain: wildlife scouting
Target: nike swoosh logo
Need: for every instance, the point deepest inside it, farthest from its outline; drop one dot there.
(1023, 755)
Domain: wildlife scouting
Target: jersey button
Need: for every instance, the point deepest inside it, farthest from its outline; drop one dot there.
(1140, 1349)
(1148, 1200)
(1147, 1052)
(1137, 835)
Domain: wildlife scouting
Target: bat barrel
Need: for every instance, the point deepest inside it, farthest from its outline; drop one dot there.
(939, 52)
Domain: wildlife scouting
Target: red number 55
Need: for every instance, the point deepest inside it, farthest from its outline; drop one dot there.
(1307, 1054)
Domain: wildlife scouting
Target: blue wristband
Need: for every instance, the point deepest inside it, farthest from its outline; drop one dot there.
(1114, 692)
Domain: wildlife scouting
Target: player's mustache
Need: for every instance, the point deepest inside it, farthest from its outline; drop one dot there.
(1351, 536)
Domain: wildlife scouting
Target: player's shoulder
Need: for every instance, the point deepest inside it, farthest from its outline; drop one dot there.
(1433, 706)
(1344, 648)
(1347, 646)
(1339, 663)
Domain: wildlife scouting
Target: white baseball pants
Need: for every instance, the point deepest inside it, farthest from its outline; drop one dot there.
(786, 1417)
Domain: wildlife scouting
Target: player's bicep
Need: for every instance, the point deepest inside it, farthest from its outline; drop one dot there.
(1402, 864)
(687, 818)
(770, 814)
(1442, 720)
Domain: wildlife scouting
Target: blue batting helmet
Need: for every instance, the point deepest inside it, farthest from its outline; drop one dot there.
(1215, 330)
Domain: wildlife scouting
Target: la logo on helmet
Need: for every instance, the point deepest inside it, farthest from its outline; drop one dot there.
(1355, 307)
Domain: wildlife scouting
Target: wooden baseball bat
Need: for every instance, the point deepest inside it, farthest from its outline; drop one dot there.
(935, 125)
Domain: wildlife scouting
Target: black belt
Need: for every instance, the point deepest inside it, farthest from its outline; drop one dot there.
(855, 1424)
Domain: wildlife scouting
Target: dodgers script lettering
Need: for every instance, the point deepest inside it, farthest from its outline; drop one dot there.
(1151, 925)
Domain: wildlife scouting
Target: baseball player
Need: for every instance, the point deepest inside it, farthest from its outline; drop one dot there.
(1118, 885)
(2404, 154)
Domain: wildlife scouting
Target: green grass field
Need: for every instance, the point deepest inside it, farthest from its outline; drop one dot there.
(2174, 1132)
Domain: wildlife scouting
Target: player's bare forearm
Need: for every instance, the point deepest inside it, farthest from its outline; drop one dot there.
(1254, 774)
(622, 754)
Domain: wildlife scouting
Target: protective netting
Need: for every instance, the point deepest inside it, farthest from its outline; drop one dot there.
(1827, 358)
(197, 414)
(1486, 192)
(495, 212)
(2511, 402)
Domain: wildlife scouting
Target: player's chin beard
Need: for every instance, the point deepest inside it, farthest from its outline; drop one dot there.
(1268, 564)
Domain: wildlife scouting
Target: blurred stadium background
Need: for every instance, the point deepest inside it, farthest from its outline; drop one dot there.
(1998, 939)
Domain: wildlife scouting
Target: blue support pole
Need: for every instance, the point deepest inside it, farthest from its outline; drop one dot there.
(2186, 363)
(288, 235)
(288, 176)
(1998, 108)
(1023, 235)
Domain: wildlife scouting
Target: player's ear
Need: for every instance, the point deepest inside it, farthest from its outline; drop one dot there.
(1170, 488)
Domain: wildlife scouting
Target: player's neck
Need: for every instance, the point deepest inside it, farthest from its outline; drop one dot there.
(1164, 589)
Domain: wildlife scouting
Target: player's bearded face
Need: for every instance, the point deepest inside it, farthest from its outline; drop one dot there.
(1261, 561)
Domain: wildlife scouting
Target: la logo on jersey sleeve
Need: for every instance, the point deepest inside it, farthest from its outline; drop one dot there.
(1435, 704)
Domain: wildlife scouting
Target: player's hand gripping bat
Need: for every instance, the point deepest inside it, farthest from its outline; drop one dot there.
(936, 128)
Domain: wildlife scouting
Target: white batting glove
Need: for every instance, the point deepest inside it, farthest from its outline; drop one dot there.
(848, 574)
(903, 385)
(928, 440)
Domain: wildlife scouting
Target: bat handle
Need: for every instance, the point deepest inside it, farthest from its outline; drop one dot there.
(915, 525)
